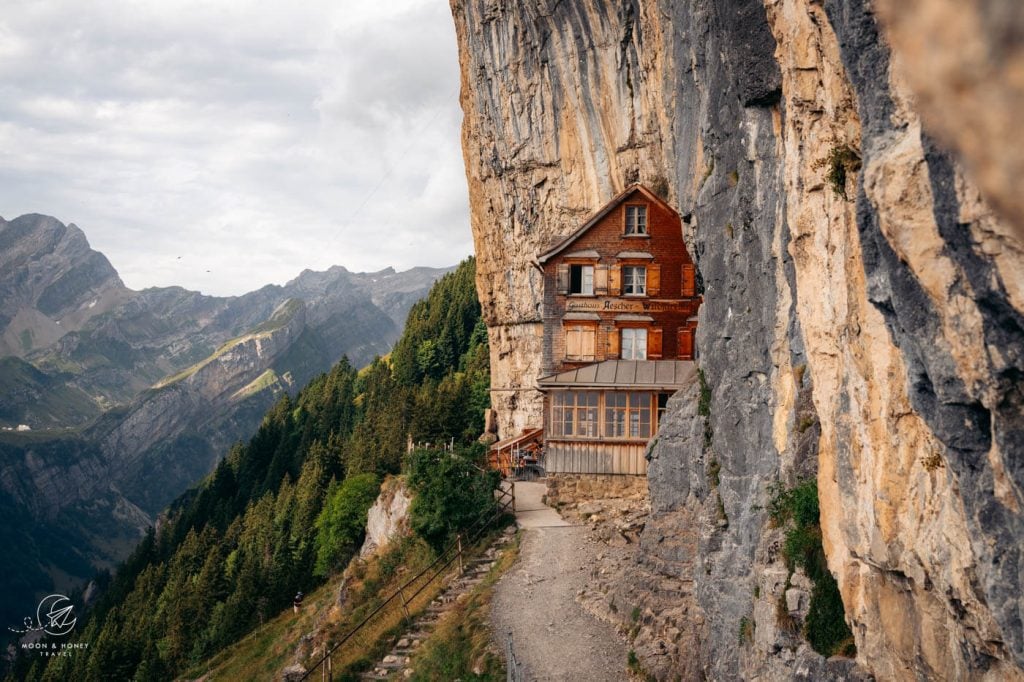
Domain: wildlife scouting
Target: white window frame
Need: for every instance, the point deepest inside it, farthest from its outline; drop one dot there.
(586, 280)
(633, 343)
(634, 280)
(636, 220)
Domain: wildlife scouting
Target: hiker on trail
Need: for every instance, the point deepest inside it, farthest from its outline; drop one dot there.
(297, 603)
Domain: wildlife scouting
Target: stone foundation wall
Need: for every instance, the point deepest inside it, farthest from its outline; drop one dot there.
(568, 490)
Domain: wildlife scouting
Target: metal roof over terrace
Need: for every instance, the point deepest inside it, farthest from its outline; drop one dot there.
(654, 375)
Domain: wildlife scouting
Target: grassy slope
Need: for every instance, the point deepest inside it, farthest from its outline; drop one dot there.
(32, 397)
(462, 641)
(264, 652)
(279, 319)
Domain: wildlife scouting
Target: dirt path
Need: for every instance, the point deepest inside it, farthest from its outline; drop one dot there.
(553, 637)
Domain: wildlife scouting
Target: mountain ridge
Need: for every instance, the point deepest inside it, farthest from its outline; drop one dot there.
(132, 396)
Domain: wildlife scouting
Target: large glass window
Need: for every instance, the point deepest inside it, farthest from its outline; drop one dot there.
(636, 220)
(574, 413)
(581, 279)
(615, 405)
(627, 415)
(639, 415)
(634, 344)
(634, 280)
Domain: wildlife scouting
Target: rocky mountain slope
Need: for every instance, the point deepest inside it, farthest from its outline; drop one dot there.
(134, 396)
(863, 319)
(64, 309)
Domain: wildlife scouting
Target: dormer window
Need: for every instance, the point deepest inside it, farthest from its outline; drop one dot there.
(636, 220)
(581, 280)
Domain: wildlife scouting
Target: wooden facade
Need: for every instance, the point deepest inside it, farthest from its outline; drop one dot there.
(620, 312)
(581, 457)
(600, 418)
(622, 286)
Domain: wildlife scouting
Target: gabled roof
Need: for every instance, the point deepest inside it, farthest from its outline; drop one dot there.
(654, 375)
(564, 243)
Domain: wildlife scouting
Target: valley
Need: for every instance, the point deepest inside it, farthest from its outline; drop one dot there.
(114, 401)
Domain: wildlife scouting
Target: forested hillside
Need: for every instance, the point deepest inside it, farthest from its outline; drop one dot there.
(275, 516)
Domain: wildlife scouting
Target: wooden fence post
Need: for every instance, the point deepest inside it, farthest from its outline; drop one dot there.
(405, 605)
(459, 542)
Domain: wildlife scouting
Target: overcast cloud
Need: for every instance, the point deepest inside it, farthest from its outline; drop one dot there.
(253, 139)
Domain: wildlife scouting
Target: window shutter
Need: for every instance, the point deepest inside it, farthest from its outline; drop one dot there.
(685, 351)
(689, 280)
(587, 344)
(613, 344)
(614, 280)
(563, 278)
(653, 279)
(601, 280)
(572, 342)
(654, 344)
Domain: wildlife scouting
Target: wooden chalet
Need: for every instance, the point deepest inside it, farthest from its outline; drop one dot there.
(620, 312)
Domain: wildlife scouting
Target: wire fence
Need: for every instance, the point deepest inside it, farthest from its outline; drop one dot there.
(412, 597)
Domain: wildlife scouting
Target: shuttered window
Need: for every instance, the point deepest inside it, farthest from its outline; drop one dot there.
(580, 341)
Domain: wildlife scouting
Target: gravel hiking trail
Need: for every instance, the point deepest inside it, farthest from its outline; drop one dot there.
(552, 636)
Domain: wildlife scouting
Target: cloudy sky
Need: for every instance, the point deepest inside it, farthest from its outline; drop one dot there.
(252, 138)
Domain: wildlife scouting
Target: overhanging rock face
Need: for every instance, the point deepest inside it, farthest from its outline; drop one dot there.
(862, 317)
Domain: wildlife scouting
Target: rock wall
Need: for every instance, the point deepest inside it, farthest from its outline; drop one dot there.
(863, 311)
(388, 518)
(572, 490)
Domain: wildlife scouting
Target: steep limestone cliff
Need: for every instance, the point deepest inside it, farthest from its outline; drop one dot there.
(863, 317)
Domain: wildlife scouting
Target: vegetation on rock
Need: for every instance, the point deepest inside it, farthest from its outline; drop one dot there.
(797, 510)
(451, 495)
(287, 508)
(842, 161)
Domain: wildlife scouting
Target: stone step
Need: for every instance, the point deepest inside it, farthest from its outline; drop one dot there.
(397, 663)
(419, 635)
(422, 626)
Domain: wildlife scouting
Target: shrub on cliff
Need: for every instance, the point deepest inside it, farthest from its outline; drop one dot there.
(797, 509)
(342, 522)
(452, 493)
